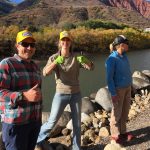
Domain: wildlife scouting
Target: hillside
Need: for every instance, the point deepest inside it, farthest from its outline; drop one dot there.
(5, 7)
(56, 12)
(140, 6)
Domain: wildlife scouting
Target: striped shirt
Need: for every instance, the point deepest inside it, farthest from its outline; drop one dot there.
(16, 76)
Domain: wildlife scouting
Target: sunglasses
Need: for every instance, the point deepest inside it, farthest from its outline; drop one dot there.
(25, 44)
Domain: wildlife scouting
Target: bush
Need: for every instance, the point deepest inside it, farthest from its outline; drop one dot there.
(95, 24)
(68, 26)
(84, 39)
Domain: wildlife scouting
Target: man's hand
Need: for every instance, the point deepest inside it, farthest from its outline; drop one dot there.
(59, 60)
(115, 99)
(83, 60)
(33, 95)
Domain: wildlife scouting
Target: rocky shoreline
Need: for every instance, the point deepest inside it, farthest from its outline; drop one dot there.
(96, 115)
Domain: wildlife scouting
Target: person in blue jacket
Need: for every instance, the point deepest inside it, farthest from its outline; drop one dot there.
(119, 80)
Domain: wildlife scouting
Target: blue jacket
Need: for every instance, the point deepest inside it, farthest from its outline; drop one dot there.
(118, 72)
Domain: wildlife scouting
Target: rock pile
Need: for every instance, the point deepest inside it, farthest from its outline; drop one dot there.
(96, 112)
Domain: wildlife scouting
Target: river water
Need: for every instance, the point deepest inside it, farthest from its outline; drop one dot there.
(92, 81)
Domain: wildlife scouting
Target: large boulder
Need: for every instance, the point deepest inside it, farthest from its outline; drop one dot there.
(140, 75)
(103, 98)
(114, 146)
(146, 72)
(85, 118)
(62, 122)
(87, 106)
(139, 83)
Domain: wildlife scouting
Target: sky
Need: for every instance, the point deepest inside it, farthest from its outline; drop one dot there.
(19, 1)
(16, 1)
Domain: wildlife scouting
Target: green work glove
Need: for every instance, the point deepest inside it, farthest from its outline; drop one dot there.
(59, 60)
(82, 60)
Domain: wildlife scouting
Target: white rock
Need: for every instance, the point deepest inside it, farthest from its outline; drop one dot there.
(114, 146)
(69, 125)
(103, 132)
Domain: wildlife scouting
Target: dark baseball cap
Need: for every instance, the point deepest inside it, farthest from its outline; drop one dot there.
(120, 39)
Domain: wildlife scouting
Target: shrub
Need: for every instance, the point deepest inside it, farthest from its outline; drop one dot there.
(84, 39)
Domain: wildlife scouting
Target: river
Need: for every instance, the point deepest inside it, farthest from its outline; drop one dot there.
(92, 81)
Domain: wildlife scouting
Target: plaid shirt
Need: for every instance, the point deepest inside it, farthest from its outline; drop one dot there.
(16, 76)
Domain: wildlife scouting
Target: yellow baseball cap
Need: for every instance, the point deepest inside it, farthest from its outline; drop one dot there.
(65, 34)
(23, 35)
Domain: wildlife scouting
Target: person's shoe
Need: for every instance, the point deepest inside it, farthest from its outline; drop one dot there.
(127, 136)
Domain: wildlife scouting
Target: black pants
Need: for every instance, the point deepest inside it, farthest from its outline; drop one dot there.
(20, 137)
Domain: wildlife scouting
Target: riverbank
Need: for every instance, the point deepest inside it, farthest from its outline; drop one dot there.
(95, 117)
(139, 126)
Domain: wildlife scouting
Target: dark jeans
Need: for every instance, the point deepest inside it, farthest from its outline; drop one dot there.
(20, 137)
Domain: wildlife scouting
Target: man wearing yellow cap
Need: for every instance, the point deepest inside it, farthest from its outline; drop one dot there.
(20, 96)
(66, 66)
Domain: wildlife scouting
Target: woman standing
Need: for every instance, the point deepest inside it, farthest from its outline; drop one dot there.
(119, 80)
(66, 66)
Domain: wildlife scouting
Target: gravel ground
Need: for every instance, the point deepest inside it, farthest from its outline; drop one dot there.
(139, 127)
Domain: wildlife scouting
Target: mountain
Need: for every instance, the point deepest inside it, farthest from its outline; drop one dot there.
(134, 13)
(141, 6)
(5, 7)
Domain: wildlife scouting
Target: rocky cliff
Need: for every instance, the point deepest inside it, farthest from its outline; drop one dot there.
(141, 6)
(134, 13)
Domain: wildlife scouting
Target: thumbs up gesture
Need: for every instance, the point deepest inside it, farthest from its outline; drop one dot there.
(83, 60)
(33, 95)
(59, 60)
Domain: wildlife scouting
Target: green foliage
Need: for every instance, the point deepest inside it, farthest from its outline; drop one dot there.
(91, 24)
(84, 39)
(95, 24)
(68, 26)
(33, 28)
